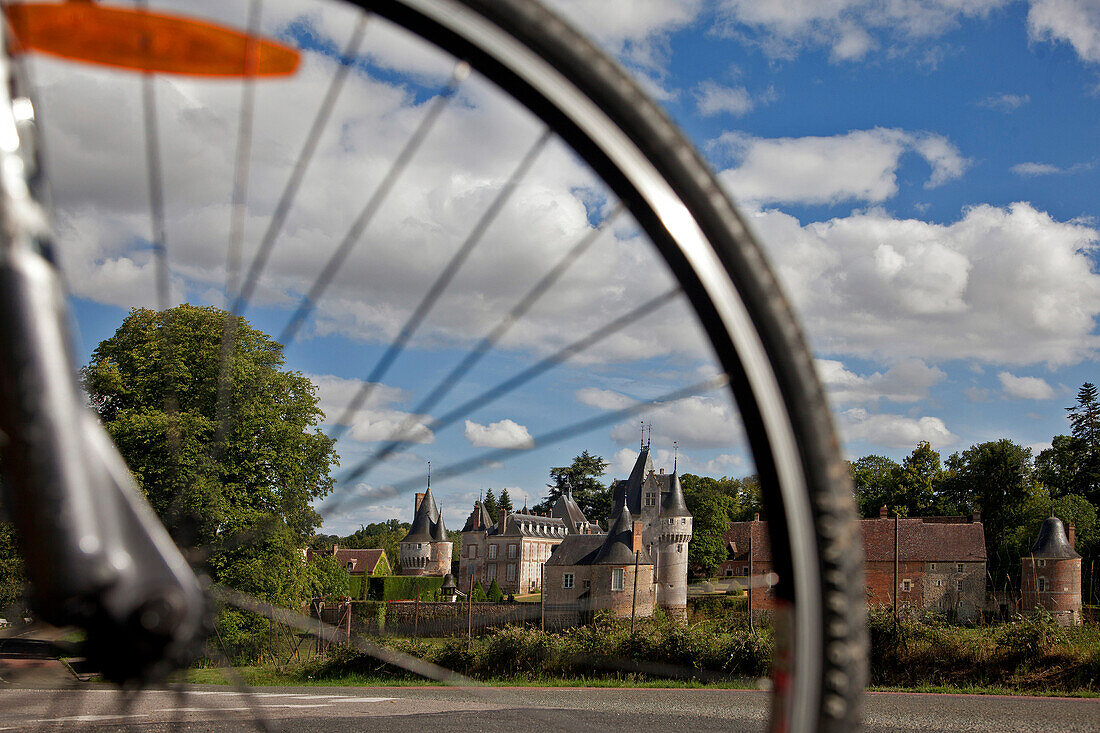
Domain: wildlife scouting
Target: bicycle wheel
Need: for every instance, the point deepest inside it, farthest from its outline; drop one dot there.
(582, 100)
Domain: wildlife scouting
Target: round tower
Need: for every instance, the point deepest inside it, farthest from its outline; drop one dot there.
(1050, 574)
(440, 563)
(673, 536)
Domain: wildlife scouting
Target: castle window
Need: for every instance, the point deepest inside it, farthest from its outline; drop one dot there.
(617, 578)
(511, 571)
(650, 499)
(511, 552)
(351, 565)
(1044, 586)
(1042, 563)
(492, 551)
(958, 585)
(567, 580)
(492, 574)
(587, 584)
(906, 585)
(939, 583)
(679, 548)
(959, 568)
(932, 566)
(729, 572)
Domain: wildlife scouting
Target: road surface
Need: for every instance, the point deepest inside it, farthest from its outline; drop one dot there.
(511, 710)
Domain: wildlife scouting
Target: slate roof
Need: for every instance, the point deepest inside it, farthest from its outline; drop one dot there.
(529, 525)
(1052, 541)
(672, 503)
(618, 542)
(920, 539)
(567, 510)
(644, 477)
(479, 519)
(427, 516)
(576, 549)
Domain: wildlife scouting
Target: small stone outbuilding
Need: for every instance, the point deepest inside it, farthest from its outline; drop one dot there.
(1050, 575)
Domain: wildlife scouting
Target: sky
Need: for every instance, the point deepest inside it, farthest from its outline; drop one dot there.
(921, 174)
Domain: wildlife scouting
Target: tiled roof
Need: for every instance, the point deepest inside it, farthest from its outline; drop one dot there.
(920, 539)
(423, 524)
(644, 478)
(478, 521)
(618, 542)
(672, 503)
(567, 510)
(363, 561)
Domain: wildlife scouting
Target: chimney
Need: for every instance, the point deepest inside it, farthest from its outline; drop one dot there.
(336, 547)
(1072, 536)
(975, 516)
(636, 537)
(756, 517)
(416, 502)
(883, 512)
(503, 516)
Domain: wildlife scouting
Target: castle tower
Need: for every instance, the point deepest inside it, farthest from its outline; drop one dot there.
(1050, 574)
(673, 535)
(426, 545)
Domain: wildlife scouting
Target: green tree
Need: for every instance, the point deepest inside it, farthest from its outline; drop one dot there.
(1072, 464)
(12, 580)
(491, 505)
(478, 593)
(995, 478)
(582, 476)
(505, 501)
(495, 595)
(217, 465)
(712, 506)
(326, 578)
(1085, 416)
(1062, 467)
(381, 535)
(919, 480)
(875, 479)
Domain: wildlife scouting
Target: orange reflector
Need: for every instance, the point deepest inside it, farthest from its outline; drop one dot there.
(144, 41)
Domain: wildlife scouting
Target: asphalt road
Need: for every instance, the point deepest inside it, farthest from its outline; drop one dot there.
(511, 710)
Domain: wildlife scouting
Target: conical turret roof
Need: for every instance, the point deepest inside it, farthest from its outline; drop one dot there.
(616, 548)
(1052, 541)
(426, 516)
(672, 503)
(642, 468)
(439, 530)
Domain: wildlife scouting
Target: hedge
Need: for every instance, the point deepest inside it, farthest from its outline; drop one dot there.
(402, 588)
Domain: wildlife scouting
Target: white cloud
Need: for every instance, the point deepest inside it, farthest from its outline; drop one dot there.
(1025, 388)
(907, 381)
(860, 165)
(700, 421)
(501, 434)
(894, 431)
(1005, 102)
(851, 29)
(1000, 285)
(1047, 169)
(377, 420)
(712, 98)
(1076, 22)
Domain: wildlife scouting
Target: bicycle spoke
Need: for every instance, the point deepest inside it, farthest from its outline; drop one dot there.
(540, 441)
(441, 283)
(305, 156)
(513, 383)
(449, 382)
(355, 232)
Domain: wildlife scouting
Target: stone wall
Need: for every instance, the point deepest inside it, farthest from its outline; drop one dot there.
(408, 618)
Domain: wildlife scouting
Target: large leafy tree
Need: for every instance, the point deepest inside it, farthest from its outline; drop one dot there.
(1072, 464)
(713, 504)
(995, 478)
(582, 475)
(875, 479)
(221, 454)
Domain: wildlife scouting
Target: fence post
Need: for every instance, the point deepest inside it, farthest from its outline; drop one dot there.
(542, 596)
(750, 579)
(470, 614)
(634, 596)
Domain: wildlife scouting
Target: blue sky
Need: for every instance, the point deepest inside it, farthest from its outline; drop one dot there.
(923, 176)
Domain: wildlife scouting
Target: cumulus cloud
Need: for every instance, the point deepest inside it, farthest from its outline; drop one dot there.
(377, 420)
(1076, 22)
(501, 434)
(1001, 285)
(860, 165)
(894, 431)
(850, 29)
(1025, 388)
(1005, 102)
(907, 381)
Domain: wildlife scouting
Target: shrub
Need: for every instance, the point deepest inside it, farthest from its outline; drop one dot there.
(495, 594)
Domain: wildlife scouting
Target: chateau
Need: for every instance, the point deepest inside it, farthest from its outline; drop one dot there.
(1050, 575)
(640, 564)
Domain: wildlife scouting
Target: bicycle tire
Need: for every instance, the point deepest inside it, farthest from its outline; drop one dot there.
(594, 106)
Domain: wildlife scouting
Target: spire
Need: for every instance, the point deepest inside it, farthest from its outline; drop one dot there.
(672, 503)
(439, 530)
(429, 475)
(675, 455)
(641, 440)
